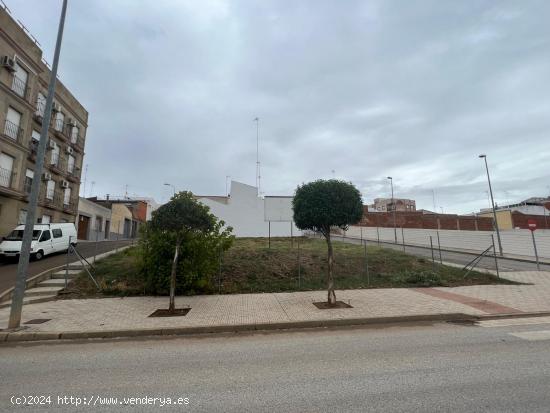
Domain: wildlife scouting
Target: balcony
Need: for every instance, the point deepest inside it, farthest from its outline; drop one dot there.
(19, 86)
(13, 131)
(59, 128)
(7, 179)
(56, 162)
(70, 207)
(38, 114)
(73, 174)
(50, 198)
(33, 148)
(77, 142)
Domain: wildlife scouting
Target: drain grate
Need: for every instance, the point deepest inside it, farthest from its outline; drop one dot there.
(37, 321)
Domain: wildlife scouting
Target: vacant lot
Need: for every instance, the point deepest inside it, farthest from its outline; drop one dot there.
(251, 265)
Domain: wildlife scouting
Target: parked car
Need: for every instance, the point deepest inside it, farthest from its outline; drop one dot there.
(46, 239)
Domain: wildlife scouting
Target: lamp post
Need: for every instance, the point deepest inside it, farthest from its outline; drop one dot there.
(484, 157)
(227, 177)
(173, 187)
(23, 265)
(393, 208)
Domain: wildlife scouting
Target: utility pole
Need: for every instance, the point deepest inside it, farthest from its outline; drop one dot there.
(258, 177)
(393, 208)
(23, 265)
(484, 157)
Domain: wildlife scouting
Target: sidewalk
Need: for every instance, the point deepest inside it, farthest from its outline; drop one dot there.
(120, 317)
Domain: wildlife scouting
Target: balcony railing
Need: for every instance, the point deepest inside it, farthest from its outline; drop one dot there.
(70, 207)
(7, 178)
(51, 198)
(19, 86)
(39, 112)
(13, 131)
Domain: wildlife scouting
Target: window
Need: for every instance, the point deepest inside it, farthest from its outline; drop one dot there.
(74, 134)
(45, 236)
(50, 190)
(57, 233)
(6, 169)
(55, 154)
(19, 83)
(59, 121)
(22, 216)
(67, 196)
(13, 120)
(70, 164)
(29, 176)
(40, 104)
(45, 219)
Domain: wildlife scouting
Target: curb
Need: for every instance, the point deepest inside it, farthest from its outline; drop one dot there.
(33, 281)
(45, 336)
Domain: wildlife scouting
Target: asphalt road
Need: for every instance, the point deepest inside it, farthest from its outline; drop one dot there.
(8, 267)
(423, 368)
(504, 264)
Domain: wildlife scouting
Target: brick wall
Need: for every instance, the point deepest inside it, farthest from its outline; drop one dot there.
(519, 220)
(426, 221)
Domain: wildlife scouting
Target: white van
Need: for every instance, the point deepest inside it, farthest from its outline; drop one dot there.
(46, 239)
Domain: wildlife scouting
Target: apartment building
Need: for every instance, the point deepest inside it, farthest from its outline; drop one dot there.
(385, 205)
(24, 77)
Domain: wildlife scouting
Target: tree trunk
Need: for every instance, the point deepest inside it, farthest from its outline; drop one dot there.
(172, 305)
(330, 281)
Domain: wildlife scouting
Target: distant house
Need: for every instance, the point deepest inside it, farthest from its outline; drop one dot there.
(126, 215)
(93, 220)
(251, 215)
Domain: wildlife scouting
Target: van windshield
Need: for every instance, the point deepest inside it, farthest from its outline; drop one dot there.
(17, 235)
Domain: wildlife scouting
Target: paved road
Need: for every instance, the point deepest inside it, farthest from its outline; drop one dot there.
(8, 267)
(456, 257)
(423, 368)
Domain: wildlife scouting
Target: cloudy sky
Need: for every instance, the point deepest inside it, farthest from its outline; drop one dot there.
(358, 90)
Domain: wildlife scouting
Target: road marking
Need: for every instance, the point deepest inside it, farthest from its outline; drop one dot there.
(533, 335)
(521, 321)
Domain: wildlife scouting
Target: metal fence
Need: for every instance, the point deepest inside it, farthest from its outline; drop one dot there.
(300, 264)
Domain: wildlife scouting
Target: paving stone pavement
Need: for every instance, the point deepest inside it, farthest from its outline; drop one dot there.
(109, 314)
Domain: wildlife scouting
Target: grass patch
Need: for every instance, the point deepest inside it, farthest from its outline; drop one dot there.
(251, 266)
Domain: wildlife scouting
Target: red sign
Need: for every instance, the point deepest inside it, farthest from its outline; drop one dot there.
(532, 224)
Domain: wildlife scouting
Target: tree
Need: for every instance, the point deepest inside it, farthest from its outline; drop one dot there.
(182, 218)
(323, 204)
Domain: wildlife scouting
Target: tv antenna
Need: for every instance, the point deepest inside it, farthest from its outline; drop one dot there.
(258, 177)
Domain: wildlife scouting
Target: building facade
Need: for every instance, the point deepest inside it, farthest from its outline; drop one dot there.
(251, 215)
(385, 205)
(127, 215)
(94, 221)
(24, 77)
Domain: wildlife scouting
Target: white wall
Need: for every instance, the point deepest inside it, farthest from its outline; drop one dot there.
(245, 212)
(514, 242)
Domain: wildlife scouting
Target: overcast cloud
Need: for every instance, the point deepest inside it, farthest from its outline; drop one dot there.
(415, 90)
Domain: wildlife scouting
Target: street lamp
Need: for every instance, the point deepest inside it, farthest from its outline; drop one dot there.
(393, 207)
(484, 157)
(173, 188)
(24, 255)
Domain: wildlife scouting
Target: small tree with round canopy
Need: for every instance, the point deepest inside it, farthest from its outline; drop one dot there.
(322, 204)
(183, 216)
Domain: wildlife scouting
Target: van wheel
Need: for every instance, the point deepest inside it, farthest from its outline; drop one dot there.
(39, 255)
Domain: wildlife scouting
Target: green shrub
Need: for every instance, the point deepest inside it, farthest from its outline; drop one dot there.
(198, 259)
